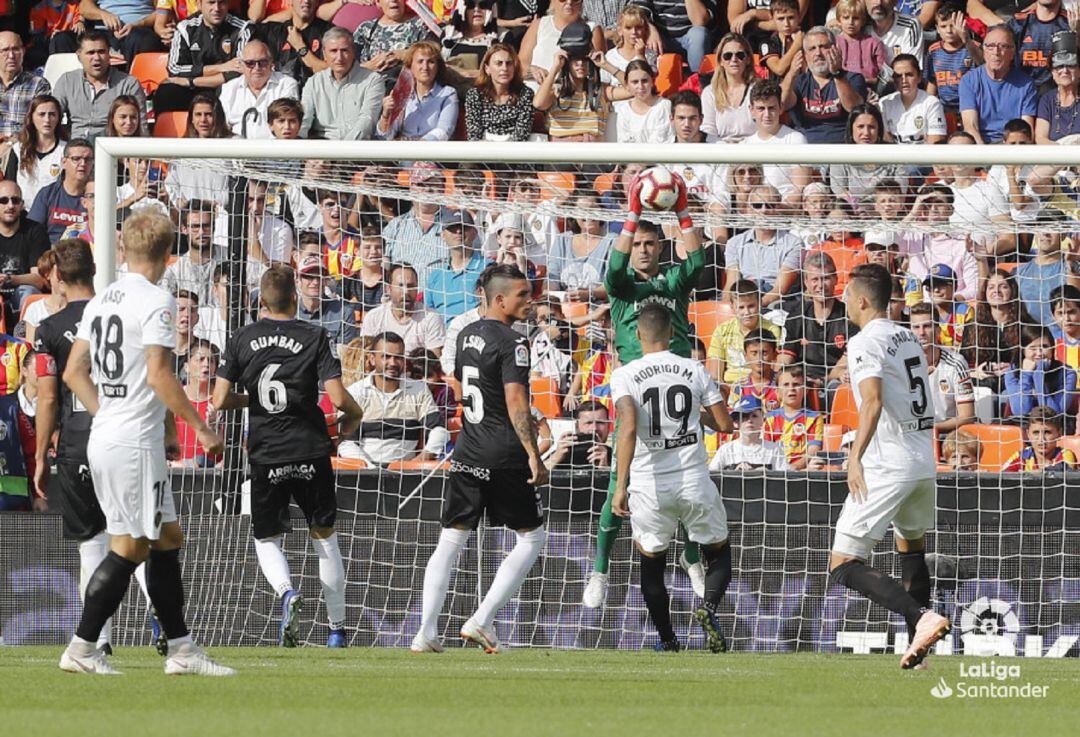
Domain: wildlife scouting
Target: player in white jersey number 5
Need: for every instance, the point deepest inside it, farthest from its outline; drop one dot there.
(121, 369)
(891, 470)
(662, 475)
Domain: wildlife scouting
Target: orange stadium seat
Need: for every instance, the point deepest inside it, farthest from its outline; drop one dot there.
(705, 315)
(415, 464)
(151, 68)
(997, 443)
(708, 64)
(669, 74)
(834, 434)
(545, 396)
(575, 309)
(171, 125)
(556, 184)
(604, 183)
(844, 411)
(348, 464)
(846, 255)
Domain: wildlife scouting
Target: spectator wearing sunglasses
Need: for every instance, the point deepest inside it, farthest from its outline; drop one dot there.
(22, 242)
(246, 99)
(202, 54)
(726, 101)
(768, 257)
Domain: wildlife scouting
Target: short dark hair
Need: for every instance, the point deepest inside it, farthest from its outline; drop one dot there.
(792, 369)
(686, 97)
(75, 261)
(1064, 293)
(910, 59)
(949, 9)
(94, 34)
(963, 133)
(1030, 333)
(653, 321)
(590, 406)
(759, 335)
(187, 294)
(875, 283)
(395, 268)
(745, 288)
(200, 344)
(791, 5)
(198, 207)
(77, 143)
(1043, 415)
(277, 288)
(387, 336)
(1016, 125)
(764, 90)
(648, 226)
(498, 277)
(923, 308)
(282, 106)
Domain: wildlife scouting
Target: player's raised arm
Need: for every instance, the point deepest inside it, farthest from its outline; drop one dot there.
(344, 402)
(163, 382)
(517, 406)
(77, 376)
(625, 442)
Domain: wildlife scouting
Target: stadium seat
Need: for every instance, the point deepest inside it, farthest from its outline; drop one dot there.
(844, 411)
(57, 64)
(846, 255)
(997, 443)
(574, 309)
(708, 64)
(556, 185)
(834, 435)
(705, 315)
(171, 125)
(1072, 442)
(604, 183)
(415, 464)
(151, 68)
(348, 464)
(669, 74)
(29, 301)
(545, 396)
(1009, 266)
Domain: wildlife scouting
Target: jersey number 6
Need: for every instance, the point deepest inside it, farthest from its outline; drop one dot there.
(272, 393)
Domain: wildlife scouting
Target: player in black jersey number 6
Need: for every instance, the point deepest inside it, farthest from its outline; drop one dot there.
(496, 464)
(281, 361)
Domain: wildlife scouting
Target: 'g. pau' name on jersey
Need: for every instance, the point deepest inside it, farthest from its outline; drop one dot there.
(902, 446)
(120, 324)
(668, 393)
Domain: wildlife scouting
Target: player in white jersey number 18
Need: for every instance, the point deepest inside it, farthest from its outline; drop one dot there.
(662, 477)
(891, 469)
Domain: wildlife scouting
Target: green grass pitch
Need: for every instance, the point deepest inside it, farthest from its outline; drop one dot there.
(357, 692)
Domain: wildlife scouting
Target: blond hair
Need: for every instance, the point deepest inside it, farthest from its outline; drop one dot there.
(719, 81)
(852, 7)
(352, 361)
(957, 440)
(632, 12)
(148, 236)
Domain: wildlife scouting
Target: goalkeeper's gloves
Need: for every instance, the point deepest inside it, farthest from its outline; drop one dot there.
(682, 205)
(634, 203)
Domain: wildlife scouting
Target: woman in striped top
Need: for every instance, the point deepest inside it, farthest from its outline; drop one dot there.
(576, 101)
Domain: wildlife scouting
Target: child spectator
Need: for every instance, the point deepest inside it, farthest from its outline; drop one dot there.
(1066, 311)
(1041, 380)
(593, 380)
(632, 31)
(950, 313)
(1041, 276)
(960, 451)
(726, 359)
(423, 365)
(890, 206)
(798, 429)
(748, 451)
(760, 349)
(862, 53)
(950, 58)
(556, 350)
(1041, 451)
(780, 48)
(17, 448)
(201, 369)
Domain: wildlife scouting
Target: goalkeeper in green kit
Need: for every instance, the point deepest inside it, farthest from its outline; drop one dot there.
(634, 278)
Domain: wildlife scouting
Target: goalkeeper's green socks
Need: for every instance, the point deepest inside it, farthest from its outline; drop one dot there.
(606, 534)
(691, 551)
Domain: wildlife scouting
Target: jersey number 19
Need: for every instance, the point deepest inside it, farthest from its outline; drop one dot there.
(676, 408)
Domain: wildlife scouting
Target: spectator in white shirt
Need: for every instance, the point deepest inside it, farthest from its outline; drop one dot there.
(765, 108)
(247, 97)
(405, 315)
(748, 451)
(977, 202)
(911, 115)
(646, 117)
(269, 238)
(192, 271)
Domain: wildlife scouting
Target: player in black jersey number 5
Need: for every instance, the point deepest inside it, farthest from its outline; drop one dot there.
(496, 464)
(281, 361)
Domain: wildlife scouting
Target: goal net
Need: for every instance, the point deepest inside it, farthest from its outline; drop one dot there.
(981, 235)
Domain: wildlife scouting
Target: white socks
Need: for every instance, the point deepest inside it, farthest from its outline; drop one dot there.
(511, 575)
(91, 553)
(273, 564)
(332, 576)
(140, 577)
(437, 579)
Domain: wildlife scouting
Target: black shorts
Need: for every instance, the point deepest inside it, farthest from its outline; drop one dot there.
(504, 492)
(72, 491)
(309, 483)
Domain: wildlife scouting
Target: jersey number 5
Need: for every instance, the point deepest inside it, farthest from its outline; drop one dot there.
(918, 406)
(272, 393)
(473, 410)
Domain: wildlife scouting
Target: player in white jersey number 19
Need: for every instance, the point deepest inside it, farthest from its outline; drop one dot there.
(121, 369)
(662, 477)
(891, 469)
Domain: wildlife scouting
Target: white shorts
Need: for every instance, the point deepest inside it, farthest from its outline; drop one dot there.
(657, 509)
(908, 505)
(133, 487)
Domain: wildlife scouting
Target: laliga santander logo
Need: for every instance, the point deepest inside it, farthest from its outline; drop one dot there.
(941, 690)
(989, 680)
(989, 627)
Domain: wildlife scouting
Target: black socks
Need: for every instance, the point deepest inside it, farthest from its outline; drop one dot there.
(166, 591)
(104, 593)
(916, 579)
(717, 574)
(878, 588)
(655, 594)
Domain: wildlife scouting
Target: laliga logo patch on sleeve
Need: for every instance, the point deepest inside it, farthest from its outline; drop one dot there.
(166, 318)
(521, 355)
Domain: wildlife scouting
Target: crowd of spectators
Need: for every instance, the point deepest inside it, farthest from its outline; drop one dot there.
(986, 269)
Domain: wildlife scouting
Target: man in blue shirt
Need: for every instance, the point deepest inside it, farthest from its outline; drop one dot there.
(60, 204)
(995, 93)
(313, 304)
(817, 90)
(1037, 278)
(450, 289)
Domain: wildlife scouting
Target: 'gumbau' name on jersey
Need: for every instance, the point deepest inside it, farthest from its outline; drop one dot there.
(647, 372)
(276, 341)
(898, 339)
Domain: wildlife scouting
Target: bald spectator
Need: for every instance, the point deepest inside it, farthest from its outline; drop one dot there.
(87, 94)
(19, 85)
(128, 25)
(246, 98)
(996, 92)
(342, 102)
(202, 54)
(296, 44)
